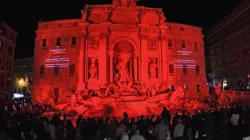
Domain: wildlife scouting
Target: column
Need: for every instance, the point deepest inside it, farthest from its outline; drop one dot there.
(81, 74)
(111, 55)
(143, 59)
(163, 58)
(135, 59)
(131, 67)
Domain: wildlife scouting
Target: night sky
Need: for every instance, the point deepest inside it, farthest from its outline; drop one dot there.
(23, 16)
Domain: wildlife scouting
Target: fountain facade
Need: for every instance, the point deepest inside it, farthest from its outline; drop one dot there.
(116, 58)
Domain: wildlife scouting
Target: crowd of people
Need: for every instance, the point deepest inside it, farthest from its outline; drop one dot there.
(224, 124)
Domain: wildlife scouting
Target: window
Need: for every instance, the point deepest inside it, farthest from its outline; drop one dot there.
(171, 87)
(10, 50)
(58, 41)
(185, 69)
(186, 87)
(183, 44)
(42, 70)
(195, 46)
(72, 69)
(44, 43)
(197, 69)
(171, 68)
(56, 70)
(170, 43)
(198, 88)
(1, 45)
(246, 53)
(56, 93)
(73, 41)
(222, 48)
(10, 66)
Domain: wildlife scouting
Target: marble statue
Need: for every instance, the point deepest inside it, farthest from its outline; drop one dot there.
(142, 16)
(107, 13)
(162, 18)
(73, 100)
(152, 68)
(122, 77)
(93, 69)
(124, 3)
(85, 13)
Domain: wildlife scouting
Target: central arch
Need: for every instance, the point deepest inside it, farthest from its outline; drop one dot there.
(113, 44)
(123, 49)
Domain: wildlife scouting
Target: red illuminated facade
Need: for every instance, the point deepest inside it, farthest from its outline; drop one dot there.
(117, 43)
(7, 48)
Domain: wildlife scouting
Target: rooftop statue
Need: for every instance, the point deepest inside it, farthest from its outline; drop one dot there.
(124, 3)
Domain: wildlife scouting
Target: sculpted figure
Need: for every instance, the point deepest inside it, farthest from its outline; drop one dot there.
(124, 3)
(116, 2)
(162, 18)
(93, 69)
(122, 75)
(142, 16)
(132, 3)
(107, 14)
(152, 68)
(85, 13)
(122, 78)
(73, 100)
(143, 90)
(153, 91)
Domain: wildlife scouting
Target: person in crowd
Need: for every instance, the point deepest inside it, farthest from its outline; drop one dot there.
(231, 123)
(179, 130)
(52, 131)
(162, 130)
(121, 129)
(165, 114)
(137, 135)
(235, 120)
(151, 135)
(125, 134)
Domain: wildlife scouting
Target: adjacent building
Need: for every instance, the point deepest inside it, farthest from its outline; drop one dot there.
(229, 43)
(119, 43)
(22, 76)
(7, 48)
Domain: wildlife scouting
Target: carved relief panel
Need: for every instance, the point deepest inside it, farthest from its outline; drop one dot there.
(152, 68)
(93, 43)
(93, 68)
(152, 44)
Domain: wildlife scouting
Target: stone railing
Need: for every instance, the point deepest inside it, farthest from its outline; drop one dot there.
(238, 96)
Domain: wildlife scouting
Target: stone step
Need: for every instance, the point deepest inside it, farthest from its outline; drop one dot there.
(126, 94)
(130, 98)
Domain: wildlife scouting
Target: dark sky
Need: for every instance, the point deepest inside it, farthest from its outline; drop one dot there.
(23, 16)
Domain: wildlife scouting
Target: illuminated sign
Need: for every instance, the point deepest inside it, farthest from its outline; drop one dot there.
(16, 95)
(56, 59)
(181, 63)
(187, 63)
(184, 52)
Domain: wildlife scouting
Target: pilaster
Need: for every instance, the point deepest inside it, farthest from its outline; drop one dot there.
(143, 59)
(81, 63)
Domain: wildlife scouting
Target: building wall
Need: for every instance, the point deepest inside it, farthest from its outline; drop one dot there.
(229, 44)
(98, 36)
(7, 49)
(22, 75)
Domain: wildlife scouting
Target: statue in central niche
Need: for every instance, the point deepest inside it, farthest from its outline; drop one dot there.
(124, 3)
(122, 77)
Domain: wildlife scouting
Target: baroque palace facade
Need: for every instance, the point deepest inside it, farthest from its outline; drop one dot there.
(117, 43)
